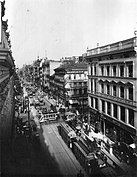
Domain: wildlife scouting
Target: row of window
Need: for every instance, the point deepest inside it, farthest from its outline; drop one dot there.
(77, 76)
(80, 91)
(115, 70)
(74, 84)
(115, 111)
(114, 90)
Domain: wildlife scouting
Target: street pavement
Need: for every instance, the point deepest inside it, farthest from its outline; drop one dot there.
(68, 164)
(49, 137)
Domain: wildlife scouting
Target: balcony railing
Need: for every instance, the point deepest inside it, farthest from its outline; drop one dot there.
(118, 99)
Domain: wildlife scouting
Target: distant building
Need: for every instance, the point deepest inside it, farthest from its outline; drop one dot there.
(48, 67)
(112, 89)
(71, 85)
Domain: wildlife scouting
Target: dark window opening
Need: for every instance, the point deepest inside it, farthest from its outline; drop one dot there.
(131, 117)
(122, 113)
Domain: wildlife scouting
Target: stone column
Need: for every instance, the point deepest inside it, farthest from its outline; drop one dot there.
(93, 70)
(117, 70)
(94, 103)
(112, 110)
(119, 113)
(93, 83)
(105, 107)
(126, 115)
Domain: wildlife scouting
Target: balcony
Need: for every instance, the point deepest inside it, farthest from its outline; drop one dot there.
(110, 97)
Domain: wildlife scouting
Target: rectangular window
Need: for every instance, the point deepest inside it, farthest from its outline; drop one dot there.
(131, 93)
(114, 70)
(85, 90)
(95, 88)
(96, 103)
(102, 88)
(121, 91)
(91, 85)
(122, 71)
(103, 106)
(94, 69)
(80, 91)
(108, 89)
(122, 113)
(108, 108)
(114, 90)
(80, 83)
(102, 70)
(75, 91)
(131, 117)
(107, 70)
(115, 110)
(92, 101)
(130, 70)
(91, 70)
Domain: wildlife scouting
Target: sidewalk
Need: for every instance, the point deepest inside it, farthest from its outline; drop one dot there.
(112, 160)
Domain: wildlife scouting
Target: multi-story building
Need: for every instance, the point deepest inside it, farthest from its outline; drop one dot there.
(48, 67)
(7, 68)
(37, 72)
(71, 84)
(112, 89)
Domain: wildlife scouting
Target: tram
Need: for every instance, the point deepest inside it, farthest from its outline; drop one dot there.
(67, 133)
(48, 116)
(84, 155)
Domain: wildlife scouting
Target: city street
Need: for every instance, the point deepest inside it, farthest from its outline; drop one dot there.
(60, 154)
(59, 151)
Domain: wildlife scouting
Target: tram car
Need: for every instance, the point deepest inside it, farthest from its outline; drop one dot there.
(86, 158)
(67, 133)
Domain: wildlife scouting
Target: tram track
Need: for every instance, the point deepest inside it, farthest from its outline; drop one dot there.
(57, 149)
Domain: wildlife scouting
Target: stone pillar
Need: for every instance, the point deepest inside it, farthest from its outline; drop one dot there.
(94, 103)
(99, 105)
(111, 90)
(93, 83)
(118, 91)
(89, 85)
(117, 70)
(125, 70)
(110, 70)
(105, 107)
(105, 71)
(119, 112)
(93, 70)
(126, 93)
(112, 110)
(105, 88)
(89, 69)
(126, 115)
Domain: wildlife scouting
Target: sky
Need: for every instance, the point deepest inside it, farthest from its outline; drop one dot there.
(64, 28)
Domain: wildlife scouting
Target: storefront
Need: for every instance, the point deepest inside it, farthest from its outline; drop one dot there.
(117, 131)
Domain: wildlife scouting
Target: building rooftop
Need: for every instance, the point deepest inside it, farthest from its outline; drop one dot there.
(72, 66)
(112, 48)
